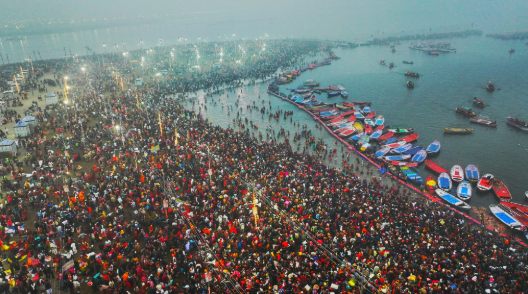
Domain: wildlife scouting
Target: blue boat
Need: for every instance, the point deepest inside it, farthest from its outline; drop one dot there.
(444, 181)
(452, 200)
(401, 149)
(433, 148)
(344, 94)
(302, 87)
(505, 215)
(413, 150)
(359, 115)
(472, 173)
(464, 190)
(397, 157)
(420, 156)
(357, 136)
(299, 100)
(335, 93)
(391, 140)
(366, 109)
(382, 151)
(376, 134)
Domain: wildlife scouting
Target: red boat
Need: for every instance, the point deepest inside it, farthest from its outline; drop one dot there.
(430, 184)
(379, 128)
(501, 190)
(435, 167)
(483, 121)
(410, 138)
(368, 129)
(362, 103)
(386, 136)
(520, 211)
(349, 104)
(333, 88)
(371, 114)
(352, 118)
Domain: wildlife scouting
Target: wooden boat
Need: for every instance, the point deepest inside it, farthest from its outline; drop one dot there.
(347, 132)
(464, 190)
(301, 91)
(520, 211)
(444, 182)
(362, 103)
(352, 118)
(452, 200)
(386, 136)
(410, 85)
(380, 120)
(402, 131)
(382, 151)
(366, 109)
(322, 89)
(364, 139)
(506, 217)
(370, 114)
(311, 83)
(484, 121)
(501, 190)
(402, 163)
(369, 122)
(408, 62)
(413, 150)
(485, 182)
(401, 149)
(357, 136)
(358, 126)
(351, 105)
(461, 131)
(368, 129)
(334, 88)
(517, 123)
(420, 156)
(391, 141)
(397, 157)
(344, 94)
(410, 138)
(490, 87)
(430, 184)
(396, 144)
(478, 102)
(376, 134)
(472, 173)
(359, 115)
(343, 128)
(457, 173)
(411, 174)
(434, 167)
(434, 53)
(465, 111)
(434, 147)
(332, 94)
(412, 74)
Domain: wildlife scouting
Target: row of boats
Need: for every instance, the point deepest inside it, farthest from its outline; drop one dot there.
(366, 129)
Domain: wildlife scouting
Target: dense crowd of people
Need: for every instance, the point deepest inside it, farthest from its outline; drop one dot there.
(173, 204)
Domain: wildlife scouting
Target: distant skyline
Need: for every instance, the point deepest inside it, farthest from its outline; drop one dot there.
(340, 14)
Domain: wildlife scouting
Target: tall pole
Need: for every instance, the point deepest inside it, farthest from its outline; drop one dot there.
(22, 73)
(16, 84)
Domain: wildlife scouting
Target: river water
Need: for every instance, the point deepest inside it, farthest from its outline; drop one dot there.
(447, 81)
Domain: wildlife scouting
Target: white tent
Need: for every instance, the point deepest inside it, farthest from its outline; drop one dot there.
(8, 145)
(51, 99)
(22, 129)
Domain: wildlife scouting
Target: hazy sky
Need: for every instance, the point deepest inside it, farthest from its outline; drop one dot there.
(494, 15)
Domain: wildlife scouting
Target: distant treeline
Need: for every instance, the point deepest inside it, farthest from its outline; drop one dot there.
(431, 36)
(510, 35)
